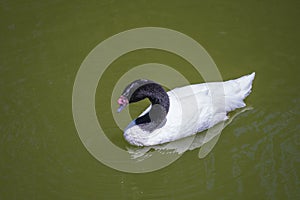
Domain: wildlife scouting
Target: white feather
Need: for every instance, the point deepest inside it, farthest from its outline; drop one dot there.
(194, 108)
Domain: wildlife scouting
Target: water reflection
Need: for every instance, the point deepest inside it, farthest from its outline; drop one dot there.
(205, 141)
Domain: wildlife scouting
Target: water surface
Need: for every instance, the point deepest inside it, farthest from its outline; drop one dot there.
(42, 46)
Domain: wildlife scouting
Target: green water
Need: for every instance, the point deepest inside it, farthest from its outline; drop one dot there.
(42, 45)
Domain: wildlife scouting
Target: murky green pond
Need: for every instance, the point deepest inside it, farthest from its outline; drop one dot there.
(42, 45)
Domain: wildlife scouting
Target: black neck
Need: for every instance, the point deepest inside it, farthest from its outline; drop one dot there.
(156, 117)
(154, 92)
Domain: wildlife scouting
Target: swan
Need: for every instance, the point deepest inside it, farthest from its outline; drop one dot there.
(183, 111)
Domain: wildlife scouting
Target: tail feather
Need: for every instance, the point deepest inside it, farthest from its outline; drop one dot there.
(237, 90)
(246, 84)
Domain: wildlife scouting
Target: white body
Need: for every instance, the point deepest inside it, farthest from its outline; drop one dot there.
(194, 108)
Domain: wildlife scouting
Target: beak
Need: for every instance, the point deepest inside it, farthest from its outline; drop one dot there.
(121, 107)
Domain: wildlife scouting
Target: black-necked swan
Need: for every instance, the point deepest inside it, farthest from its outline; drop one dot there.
(183, 111)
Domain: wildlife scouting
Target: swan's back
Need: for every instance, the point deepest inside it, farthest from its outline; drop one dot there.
(233, 92)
